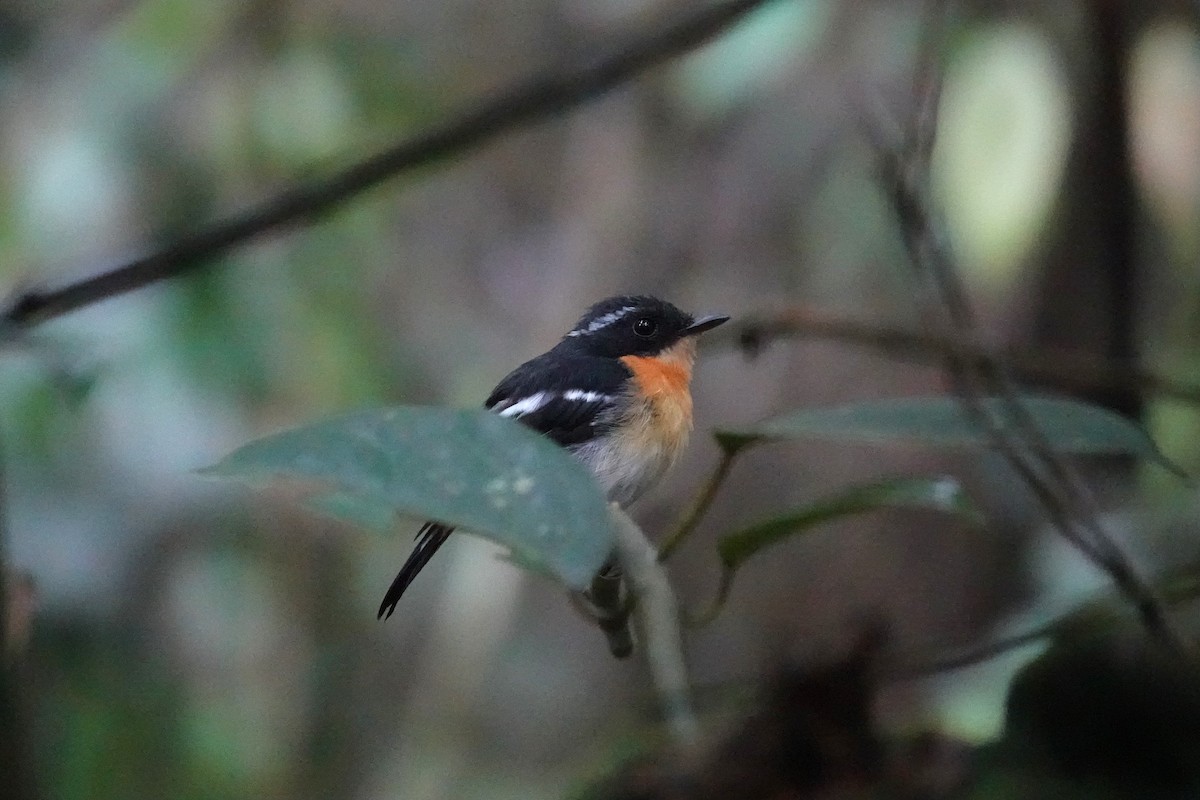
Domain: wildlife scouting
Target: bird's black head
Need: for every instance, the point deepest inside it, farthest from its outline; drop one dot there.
(628, 326)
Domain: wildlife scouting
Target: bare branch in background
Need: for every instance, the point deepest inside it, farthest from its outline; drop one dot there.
(1180, 589)
(1062, 494)
(1066, 370)
(538, 98)
(970, 657)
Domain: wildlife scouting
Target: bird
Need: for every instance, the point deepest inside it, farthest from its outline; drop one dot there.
(615, 391)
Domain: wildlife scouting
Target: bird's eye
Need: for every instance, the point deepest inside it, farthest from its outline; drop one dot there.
(645, 327)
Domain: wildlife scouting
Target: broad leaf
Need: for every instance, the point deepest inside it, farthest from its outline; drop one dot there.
(472, 469)
(1068, 425)
(372, 515)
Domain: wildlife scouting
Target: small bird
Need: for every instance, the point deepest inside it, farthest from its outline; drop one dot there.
(615, 392)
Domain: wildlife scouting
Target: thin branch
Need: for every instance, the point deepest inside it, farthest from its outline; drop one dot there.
(1062, 494)
(972, 656)
(535, 99)
(1067, 370)
(927, 83)
(1183, 588)
(704, 617)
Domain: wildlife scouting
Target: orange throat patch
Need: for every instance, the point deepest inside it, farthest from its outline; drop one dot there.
(669, 373)
(663, 381)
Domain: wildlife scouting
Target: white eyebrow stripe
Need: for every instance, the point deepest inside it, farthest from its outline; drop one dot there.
(586, 397)
(602, 322)
(526, 405)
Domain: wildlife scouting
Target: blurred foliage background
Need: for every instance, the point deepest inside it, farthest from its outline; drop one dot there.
(194, 641)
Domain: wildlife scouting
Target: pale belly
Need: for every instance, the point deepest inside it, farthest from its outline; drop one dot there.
(630, 460)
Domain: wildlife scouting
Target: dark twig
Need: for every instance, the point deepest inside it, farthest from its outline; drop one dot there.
(1180, 589)
(538, 98)
(970, 657)
(1063, 369)
(1062, 494)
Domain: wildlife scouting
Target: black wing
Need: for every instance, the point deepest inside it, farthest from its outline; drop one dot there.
(568, 399)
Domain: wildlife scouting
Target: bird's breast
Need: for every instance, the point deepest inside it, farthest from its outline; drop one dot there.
(662, 413)
(656, 424)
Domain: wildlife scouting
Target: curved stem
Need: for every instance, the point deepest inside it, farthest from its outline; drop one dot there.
(975, 655)
(715, 605)
(701, 503)
(656, 614)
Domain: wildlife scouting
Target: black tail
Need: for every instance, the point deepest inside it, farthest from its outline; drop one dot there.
(432, 535)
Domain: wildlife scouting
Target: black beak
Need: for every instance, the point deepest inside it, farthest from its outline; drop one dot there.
(705, 324)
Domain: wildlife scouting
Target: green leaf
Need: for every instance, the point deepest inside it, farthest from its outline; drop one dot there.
(473, 469)
(937, 494)
(372, 515)
(1068, 425)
